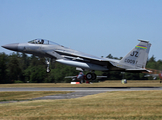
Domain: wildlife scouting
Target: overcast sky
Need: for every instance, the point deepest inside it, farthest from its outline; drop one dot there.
(97, 27)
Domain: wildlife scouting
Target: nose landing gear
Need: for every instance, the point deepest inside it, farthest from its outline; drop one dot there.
(48, 69)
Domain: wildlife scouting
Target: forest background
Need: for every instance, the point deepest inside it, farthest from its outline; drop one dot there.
(22, 68)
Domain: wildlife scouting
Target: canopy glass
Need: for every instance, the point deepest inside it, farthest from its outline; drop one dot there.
(42, 41)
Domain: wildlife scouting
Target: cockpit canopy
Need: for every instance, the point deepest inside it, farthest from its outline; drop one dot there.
(42, 41)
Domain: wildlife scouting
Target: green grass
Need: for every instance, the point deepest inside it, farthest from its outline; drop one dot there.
(120, 105)
(108, 83)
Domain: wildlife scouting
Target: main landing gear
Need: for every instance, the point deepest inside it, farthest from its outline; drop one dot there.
(91, 76)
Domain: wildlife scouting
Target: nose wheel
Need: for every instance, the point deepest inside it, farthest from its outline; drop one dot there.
(48, 70)
(91, 76)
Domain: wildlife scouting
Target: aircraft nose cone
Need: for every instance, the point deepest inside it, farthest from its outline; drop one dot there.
(13, 46)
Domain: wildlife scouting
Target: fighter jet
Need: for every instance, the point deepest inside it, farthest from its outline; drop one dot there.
(134, 61)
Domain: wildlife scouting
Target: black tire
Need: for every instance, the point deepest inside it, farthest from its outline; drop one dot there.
(89, 76)
(93, 76)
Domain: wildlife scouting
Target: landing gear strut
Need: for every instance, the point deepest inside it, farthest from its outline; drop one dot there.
(48, 69)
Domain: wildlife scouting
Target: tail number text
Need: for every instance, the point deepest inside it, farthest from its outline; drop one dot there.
(130, 61)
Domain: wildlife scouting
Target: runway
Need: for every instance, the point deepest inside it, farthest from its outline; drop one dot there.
(83, 89)
(77, 91)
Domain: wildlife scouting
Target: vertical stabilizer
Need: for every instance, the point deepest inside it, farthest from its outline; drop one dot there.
(137, 57)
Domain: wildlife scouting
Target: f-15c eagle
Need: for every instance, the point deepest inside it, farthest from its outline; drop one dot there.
(134, 61)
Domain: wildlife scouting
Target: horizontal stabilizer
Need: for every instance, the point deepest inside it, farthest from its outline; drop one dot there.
(71, 77)
(101, 76)
(138, 70)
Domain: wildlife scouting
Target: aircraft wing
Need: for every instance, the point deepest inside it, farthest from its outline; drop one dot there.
(83, 56)
(76, 56)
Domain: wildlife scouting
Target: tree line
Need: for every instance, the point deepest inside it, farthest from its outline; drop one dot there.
(22, 68)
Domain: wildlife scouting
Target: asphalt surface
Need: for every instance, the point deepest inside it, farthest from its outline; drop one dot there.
(83, 89)
(77, 92)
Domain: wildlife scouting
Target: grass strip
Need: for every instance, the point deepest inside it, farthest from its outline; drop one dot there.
(121, 105)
